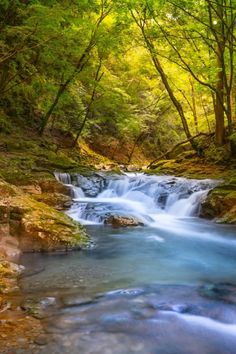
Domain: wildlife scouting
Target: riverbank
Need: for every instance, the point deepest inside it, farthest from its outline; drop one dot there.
(19, 330)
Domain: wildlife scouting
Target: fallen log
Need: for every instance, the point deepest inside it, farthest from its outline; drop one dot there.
(177, 145)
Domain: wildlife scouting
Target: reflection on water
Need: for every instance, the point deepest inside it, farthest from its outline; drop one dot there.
(166, 288)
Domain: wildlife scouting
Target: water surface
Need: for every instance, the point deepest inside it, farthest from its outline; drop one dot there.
(167, 287)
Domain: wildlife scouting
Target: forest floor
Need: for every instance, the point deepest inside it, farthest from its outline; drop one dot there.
(193, 168)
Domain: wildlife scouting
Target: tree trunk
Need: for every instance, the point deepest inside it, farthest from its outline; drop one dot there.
(165, 81)
(174, 100)
(219, 101)
(138, 139)
(194, 109)
(47, 116)
(81, 129)
(219, 36)
(205, 114)
(97, 79)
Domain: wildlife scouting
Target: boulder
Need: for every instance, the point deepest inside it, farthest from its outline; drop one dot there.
(220, 203)
(38, 226)
(50, 230)
(54, 186)
(92, 185)
(123, 221)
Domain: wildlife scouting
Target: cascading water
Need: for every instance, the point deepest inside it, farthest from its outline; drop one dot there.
(150, 199)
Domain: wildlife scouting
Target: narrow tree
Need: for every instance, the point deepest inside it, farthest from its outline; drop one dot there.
(88, 111)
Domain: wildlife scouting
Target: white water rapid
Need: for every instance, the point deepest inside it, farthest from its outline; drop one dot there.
(153, 200)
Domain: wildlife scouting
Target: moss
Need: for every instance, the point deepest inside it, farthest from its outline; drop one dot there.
(221, 204)
(5, 125)
(218, 155)
(44, 228)
(7, 190)
(39, 226)
(56, 200)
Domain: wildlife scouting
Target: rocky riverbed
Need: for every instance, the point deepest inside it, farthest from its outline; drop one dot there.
(32, 219)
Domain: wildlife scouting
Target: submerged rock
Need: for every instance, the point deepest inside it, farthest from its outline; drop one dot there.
(9, 248)
(122, 221)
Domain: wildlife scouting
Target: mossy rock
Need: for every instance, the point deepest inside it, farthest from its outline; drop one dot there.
(38, 226)
(49, 231)
(57, 200)
(42, 228)
(221, 204)
(7, 190)
(53, 186)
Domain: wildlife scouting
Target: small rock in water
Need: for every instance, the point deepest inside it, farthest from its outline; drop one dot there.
(123, 221)
(75, 300)
(41, 340)
(48, 301)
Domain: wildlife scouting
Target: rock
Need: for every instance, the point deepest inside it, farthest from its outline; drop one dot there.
(220, 203)
(11, 254)
(41, 340)
(131, 168)
(123, 221)
(9, 248)
(91, 186)
(32, 189)
(45, 229)
(57, 200)
(54, 186)
(38, 226)
(106, 167)
(8, 276)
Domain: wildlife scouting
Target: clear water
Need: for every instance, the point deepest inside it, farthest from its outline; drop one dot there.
(168, 287)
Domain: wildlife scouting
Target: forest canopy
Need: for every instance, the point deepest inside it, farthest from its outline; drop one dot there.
(146, 73)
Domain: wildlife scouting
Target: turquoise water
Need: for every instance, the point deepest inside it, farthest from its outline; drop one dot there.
(168, 287)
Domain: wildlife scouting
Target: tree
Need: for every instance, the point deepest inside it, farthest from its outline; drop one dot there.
(105, 8)
(206, 30)
(142, 19)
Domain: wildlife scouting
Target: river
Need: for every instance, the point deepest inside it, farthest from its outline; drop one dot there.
(167, 287)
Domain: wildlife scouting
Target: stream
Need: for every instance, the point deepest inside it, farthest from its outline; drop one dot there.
(167, 287)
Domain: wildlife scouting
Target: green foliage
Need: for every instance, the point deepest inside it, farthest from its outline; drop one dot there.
(42, 42)
(232, 138)
(218, 155)
(5, 126)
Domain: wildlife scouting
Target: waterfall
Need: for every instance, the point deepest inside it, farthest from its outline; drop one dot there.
(147, 198)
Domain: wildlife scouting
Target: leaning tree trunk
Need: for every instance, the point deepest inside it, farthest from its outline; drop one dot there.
(138, 140)
(219, 101)
(98, 78)
(194, 107)
(165, 81)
